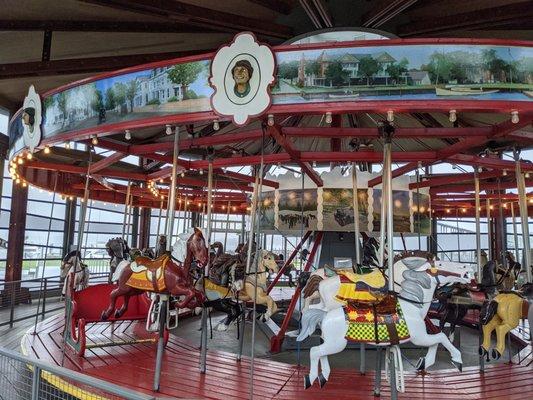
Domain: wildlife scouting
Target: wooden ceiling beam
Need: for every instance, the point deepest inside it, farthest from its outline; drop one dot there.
(198, 16)
(86, 65)
(100, 26)
(478, 19)
(385, 11)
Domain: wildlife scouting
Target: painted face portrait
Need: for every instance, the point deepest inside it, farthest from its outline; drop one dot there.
(28, 117)
(242, 71)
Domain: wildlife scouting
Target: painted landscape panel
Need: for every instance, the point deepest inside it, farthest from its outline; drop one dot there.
(297, 207)
(338, 213)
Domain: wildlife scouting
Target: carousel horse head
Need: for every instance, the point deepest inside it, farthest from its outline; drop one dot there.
(193, 243)
(268, 261)
(117, 248)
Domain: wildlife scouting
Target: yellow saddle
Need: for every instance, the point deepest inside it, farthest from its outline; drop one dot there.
(369, 287)
(148, 274)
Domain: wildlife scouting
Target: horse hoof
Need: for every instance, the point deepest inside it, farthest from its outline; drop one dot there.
(321, 380)
(481, 351)
(458, 365)
(307, 382)
(496, 354)
(221, 328)
(104, 316)
(421, 364)
(118, 314)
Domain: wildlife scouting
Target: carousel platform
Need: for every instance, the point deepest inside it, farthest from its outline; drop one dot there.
(132, 366)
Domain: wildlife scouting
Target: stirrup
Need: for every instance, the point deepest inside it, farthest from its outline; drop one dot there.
(172, 314)
(152, 319)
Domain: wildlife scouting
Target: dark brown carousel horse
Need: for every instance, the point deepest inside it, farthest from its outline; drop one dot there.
(163, 275)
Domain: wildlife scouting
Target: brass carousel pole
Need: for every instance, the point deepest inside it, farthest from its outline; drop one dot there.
(522, 204)
(515, 234)
(478, 224)
(126, 210)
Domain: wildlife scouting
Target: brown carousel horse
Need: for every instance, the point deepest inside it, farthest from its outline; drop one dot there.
(162, 275)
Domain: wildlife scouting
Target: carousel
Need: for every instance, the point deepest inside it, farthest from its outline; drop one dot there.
(310, 140)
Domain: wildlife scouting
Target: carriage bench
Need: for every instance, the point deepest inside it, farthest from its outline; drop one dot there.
(83, 309)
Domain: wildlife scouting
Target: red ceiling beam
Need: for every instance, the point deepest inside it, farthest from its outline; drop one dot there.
(404, 169)
(487, 162)
(106, 162)
(295, 155)
(454, 178)
(108, 172)
(370, 156)
(482, 186)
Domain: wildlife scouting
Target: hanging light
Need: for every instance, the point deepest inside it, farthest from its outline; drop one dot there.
(504, 205)
(46, 150)
(464, 210)
(479, 169)
(531, 200)
(270, 120)
(453, 116)
(329, 117)
(127, 134)
(514, 117)
(491, 207)
(29, 156)
(24, 184)
(223, 207)
(20, 161)
(168, 129)
(448, 211)
(216, 125)
(390, 116)
(201, 171)
(526, 175)
(314, 164)
(234, 208)
(504, 173)
(67, 145)
(71, 198)
(182, 174)
(94, 140)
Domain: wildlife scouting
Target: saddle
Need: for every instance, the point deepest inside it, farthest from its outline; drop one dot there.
(368, 288)
(152, 265)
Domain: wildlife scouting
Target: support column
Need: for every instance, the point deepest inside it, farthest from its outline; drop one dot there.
(433, 237)
(522, 204)
(144, 228)
(135, 227)
(17, 229)
(69, 225)
(478, 224)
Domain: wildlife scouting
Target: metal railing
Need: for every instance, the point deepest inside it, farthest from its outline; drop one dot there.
(24, 378)
(31, 298)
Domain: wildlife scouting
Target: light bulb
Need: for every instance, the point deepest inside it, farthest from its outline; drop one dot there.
(448, 211)
(491, 207)
(329, 118)
(270, 120)
(464, 210)
(94, 140)
(20, 161)
(531, 200)
(234, 208)
(390, 116)
(453, 115)
(514, 117)
(504, 205)
(223, 207)
(183, 174)
(216, 125)
(71, 198)
(504, 173)
(168, 129)
(479, 169)
(526, 175)
(67, 145)
(201, 171)
(314, 164)
(46, 150)
(29, 156)
(127, 134)
(24, 184)
(160, 180)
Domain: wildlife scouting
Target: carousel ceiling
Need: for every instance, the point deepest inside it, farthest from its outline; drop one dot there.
(51, 43)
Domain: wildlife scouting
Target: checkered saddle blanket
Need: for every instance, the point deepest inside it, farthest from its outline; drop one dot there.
(376, 323)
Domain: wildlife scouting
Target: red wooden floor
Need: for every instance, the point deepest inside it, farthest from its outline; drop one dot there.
(132, 366)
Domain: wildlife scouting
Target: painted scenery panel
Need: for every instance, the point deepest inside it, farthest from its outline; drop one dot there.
(401, 211)
(290, 209)
(417, 72)
(421, 213)
(267, 215)
(337, 206)
(174, 89)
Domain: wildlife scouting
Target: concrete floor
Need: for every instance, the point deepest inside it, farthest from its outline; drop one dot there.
(350, 358)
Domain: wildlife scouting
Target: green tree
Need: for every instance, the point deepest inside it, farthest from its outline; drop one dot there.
(49, 102)
(131, 91)
(98, 102)
(368, 67)
(288, 70)
(396, 70)
(439, 67)
(62, 104)
(312, 68)
(184, 75)
(110, 101)
(336, 74)
(120, 96)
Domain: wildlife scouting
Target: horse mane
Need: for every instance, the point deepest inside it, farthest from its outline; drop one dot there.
(413, 286)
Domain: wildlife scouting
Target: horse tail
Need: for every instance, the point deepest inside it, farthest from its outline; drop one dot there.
(488, 311)
(312, 285)
(310, 319)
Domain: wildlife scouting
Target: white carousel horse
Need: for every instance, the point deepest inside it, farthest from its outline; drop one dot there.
(79, 269)
(417, 289)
